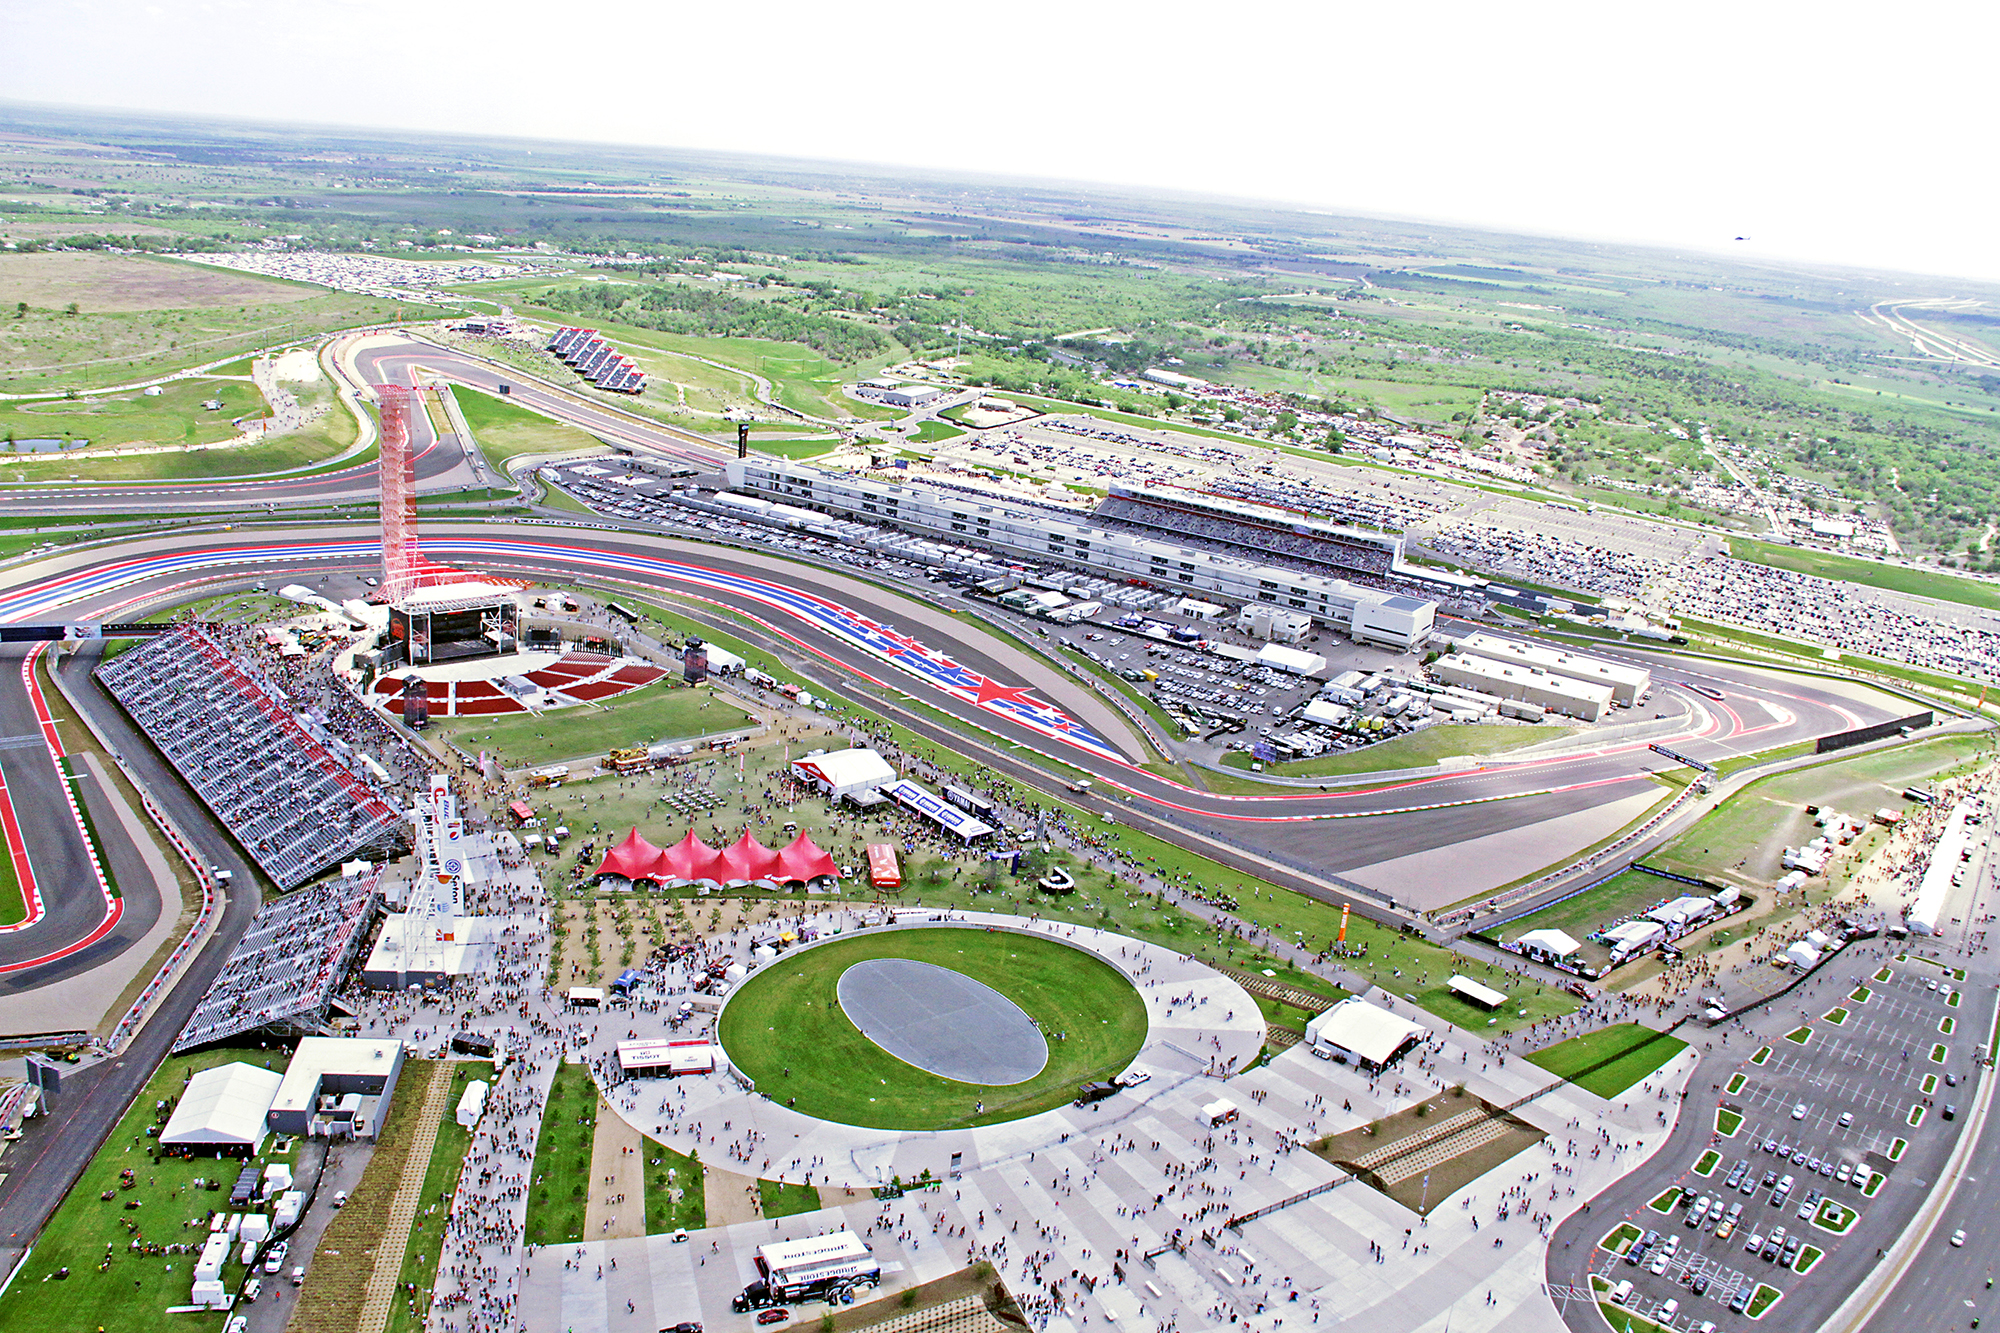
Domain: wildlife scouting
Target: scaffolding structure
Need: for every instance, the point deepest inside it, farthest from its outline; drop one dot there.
(398, 470)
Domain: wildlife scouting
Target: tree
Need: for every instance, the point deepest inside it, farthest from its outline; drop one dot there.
(72, 309)
(20, 310)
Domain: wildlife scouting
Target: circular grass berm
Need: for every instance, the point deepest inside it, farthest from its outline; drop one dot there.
(786, 1016)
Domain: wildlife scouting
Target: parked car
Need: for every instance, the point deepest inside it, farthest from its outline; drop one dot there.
(274, 1262)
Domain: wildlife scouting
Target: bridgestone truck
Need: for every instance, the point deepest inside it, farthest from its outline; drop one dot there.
(828, 1268)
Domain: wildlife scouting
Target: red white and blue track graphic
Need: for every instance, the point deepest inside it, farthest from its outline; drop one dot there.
(880, 641)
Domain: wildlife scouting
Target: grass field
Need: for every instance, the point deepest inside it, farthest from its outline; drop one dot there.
(420, 1257)
(1620, 896)
(1870, 573)
(786, 1017)
(1742, 840)
(505, 431)
(779, 1199)
(139, 318)
(650, 714)
(935, 432)
(132, 1293)
(175, 416)
(13, 907)
(671, 1172)
(1412, 751)
(556, 1191)
(1632, 1051)
(324, 439)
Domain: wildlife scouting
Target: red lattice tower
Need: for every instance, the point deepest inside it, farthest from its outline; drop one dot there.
(398, 471)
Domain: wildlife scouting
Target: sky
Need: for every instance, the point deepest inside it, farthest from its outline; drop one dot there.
(1838, 132)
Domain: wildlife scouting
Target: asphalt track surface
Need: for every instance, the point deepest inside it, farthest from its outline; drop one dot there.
(941, 1021)
(441, 464)
(107, 581)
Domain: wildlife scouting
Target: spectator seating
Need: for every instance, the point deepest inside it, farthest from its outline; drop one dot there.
(294, 805)
(284, 971)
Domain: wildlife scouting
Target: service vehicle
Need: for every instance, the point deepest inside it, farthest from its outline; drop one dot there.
(829, 1268)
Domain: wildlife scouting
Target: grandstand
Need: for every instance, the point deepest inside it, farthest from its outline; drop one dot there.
(282, 793)
(1251, 528)
(589, 355)
(282, 975)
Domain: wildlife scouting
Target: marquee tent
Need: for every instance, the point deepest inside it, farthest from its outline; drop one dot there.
(684, 862)
(805, 860)
(630, 859)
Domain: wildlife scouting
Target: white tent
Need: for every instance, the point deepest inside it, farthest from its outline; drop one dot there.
(223, 1107)
(1357, 1030)
(839, 773)
(472, 1104)
(1326, 714)
(1280, 658)
(1548, 943)
(1803, 956)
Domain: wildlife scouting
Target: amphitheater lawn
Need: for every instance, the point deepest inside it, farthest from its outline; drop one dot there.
(787, 1017)
(654, 713)
(132, 1295)
(1631, 1049)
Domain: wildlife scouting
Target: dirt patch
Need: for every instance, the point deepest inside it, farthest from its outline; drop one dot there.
(1422, 1155)
(107, 283)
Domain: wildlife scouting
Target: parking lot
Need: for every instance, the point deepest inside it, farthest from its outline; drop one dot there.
(1824, 1122)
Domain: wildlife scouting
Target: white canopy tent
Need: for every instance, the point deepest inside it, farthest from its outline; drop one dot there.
(223, 1108)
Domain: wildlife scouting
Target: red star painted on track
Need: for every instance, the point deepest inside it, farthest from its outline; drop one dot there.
(991, 690)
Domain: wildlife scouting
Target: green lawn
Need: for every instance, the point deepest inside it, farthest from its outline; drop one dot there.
(1413, 751)
(1742, 840)
(13, 907)
(420, 1256)
(780, 1199)
(654, 713)
(504, 430)
(786, 1017)
(175, 416)
(795, 449)
(1615, 1057)
(1763, 1299)
(935, 432)
(1871, 573)
(132, 1295)
(1705, 1165)
(667, 1171)
(1622, 895)
(557, 1189)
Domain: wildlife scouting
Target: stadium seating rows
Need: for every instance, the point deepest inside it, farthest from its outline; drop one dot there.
(288, 965)
(284, 795)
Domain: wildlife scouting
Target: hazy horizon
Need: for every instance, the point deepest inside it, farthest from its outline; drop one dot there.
(1561, 122)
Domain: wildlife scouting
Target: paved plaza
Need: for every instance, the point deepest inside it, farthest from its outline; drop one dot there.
(1113, 1214)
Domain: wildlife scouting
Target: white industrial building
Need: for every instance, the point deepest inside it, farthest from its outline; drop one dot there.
(897, 393)
(1557, 694)
(337, 1087)
(1355, 1031)
(1260, 620)
(777, 487)
(223, 1110)
(1943, 874)
(1628, 683)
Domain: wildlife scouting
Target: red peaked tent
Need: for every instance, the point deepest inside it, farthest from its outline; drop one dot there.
(744, 861)
(630, 859)
(684, 862)
(804, 860)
